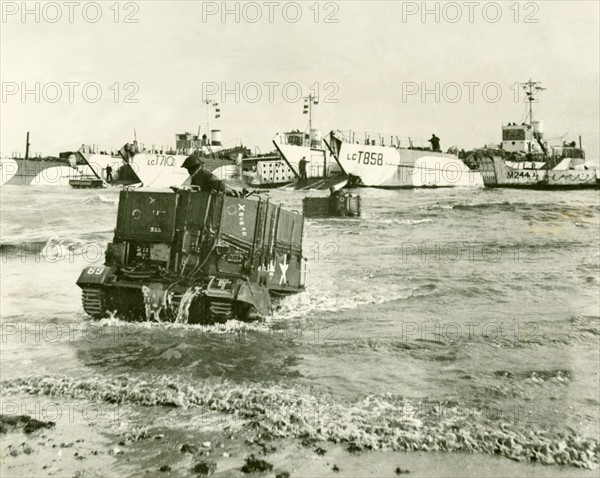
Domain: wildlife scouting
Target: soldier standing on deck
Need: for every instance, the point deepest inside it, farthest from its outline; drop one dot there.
(302, 168)
(435, 143)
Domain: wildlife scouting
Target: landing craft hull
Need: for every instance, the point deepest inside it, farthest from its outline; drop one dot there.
(55, 176)
(322, 171)
(284, 170)
(159, 170)
(269, 173)
(497, 174)
(8, 169)
(96, 164)
(386, 167)
(56, 173)
(319, 164)
(165, 170)
(28, 172)
(573, 178)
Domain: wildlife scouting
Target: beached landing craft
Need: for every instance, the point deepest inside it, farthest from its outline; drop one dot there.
(8, 169)
(82, 168)
(308, 160)
(369, 162)
(524, 159)
(47, 171)
(166, 168)
(498, 173)
(196, 257)
(256, 170)
(162, 169)
(93, 166)
(322, 171)
(303, 160)
(34, 169)
(266, 171)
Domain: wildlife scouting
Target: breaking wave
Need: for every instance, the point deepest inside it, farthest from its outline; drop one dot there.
(56, 248)
(102, 198)
(376, 422)
(400, 222)
(300, 305)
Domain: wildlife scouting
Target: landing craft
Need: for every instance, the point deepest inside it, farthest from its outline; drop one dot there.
(370, 162)
(46, 171)
(35, 169)
(498, 174)
(165, 168)
(322, 171)
(196, 257)
(93, 169)
(8, 169)
(306, 158)
(525, 159)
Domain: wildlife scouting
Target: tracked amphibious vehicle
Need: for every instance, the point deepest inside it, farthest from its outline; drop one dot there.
(196, 257)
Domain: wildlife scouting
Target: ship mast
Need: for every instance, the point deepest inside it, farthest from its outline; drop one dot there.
(309, 101)
(207, 103)
(27, 144)
(532, 88)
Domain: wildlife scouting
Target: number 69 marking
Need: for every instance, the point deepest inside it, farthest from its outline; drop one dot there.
(95, 270)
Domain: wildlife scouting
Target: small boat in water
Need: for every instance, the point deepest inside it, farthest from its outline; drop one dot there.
(524, 159)
(86, 183)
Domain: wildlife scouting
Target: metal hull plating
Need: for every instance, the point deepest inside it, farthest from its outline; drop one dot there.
(28, 172)
(96, 164)
(8, 169)
(496, 174)
(322, 171)
(381, 166)
(318, 160)
(165, 170)
(268, 173)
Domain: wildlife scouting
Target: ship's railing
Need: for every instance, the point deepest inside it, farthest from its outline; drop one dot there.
(380, 139)
(96, 149)
(296, 140)
(19, 155)
(287, 138)
(155, 149)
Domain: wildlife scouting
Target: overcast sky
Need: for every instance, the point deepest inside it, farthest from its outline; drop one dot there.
(374, 55)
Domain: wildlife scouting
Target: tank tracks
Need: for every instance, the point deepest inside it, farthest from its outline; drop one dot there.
(219, 310)
(94, 302)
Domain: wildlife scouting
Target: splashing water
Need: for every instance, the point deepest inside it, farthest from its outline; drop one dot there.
(184, 305)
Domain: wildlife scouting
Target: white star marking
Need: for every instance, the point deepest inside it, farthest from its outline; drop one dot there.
(284, 267)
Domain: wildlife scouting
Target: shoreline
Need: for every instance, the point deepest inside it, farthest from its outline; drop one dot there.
(82, 450)
(143, 427)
